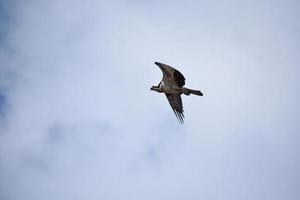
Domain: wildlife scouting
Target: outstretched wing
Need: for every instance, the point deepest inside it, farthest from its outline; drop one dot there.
(176, 104)
(179, 78)
(171, 75)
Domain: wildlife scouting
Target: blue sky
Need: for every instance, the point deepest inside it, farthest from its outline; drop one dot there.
(78, 119)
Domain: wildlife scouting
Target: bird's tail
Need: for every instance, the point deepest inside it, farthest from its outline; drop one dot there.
(188, 91)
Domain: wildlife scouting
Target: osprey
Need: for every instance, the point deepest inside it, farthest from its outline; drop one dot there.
(172, 85)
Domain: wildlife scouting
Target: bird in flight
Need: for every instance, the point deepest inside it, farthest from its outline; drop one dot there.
(172, 85)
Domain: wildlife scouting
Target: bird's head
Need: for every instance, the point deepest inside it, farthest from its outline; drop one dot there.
(155, 88)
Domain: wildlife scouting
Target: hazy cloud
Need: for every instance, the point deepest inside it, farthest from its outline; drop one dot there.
(78, 121)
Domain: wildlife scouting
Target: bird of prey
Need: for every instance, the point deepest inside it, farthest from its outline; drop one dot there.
(172, 85)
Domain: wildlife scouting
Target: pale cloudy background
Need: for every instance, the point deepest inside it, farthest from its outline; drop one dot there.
(78, 121)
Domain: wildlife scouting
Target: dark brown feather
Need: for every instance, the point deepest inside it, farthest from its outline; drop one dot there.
(176, 104)
(179, 78)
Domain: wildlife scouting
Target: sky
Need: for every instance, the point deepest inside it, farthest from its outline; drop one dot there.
(78, 120)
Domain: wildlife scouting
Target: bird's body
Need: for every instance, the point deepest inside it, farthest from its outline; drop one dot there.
(172, 85)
